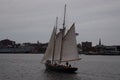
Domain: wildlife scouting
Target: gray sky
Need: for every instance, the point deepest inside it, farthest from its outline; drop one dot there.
(32, 20)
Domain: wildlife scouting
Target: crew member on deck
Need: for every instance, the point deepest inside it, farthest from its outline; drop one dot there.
(66, 63)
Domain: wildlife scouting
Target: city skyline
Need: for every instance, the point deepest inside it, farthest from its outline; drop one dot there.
(30, 21)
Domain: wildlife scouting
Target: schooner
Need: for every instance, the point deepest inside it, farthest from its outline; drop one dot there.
(62, 48)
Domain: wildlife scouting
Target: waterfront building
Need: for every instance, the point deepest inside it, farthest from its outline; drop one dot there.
(100, 47)
(7, 43)
(86, 46)
(111, 50)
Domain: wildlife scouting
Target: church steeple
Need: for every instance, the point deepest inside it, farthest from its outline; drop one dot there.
(100, 42)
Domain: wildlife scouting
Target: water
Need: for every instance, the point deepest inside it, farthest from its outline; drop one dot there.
(28, 67)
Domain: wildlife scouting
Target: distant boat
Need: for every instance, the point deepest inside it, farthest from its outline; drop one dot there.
(62, 48)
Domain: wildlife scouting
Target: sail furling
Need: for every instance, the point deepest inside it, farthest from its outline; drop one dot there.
(69, 47)
(50, 49)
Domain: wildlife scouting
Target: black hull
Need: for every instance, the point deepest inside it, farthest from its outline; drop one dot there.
(60, 68)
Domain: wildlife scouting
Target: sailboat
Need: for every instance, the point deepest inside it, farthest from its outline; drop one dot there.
(62, 48)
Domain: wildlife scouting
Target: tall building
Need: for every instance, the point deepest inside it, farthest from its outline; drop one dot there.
(86, 46)
(100, 47)
(99, 42)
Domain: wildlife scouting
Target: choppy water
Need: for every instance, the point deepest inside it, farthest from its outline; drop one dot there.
(28, 67)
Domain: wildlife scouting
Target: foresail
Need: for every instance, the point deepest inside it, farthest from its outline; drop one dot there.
(58, 46)
(49, 51)
(70, 52)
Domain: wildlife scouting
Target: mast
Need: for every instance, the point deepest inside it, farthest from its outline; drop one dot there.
(54, 41)
(63, 31)
(64, 16)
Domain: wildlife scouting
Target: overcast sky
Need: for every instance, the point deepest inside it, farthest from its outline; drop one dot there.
(33, 20)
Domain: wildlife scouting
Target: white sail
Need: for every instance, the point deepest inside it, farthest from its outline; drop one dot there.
(58, 46)
(69, 48)
(49, 51)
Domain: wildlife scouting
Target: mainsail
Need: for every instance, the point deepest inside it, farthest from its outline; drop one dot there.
(69, 48)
